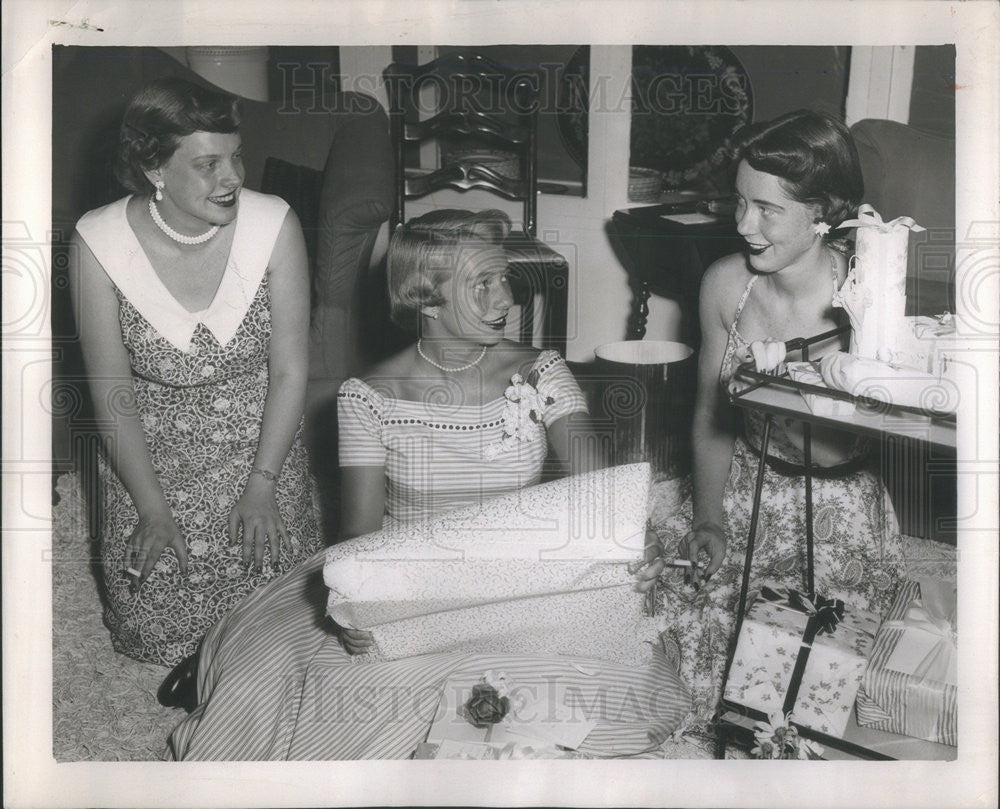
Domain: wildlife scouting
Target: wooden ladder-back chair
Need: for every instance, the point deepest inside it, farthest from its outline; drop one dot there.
(496, 109)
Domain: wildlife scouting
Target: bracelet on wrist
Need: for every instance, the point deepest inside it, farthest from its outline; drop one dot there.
(267, 474)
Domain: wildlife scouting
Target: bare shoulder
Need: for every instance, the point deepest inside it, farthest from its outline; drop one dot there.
(727, 272)
(84, 265)
(515, 358)
(723, 284)
(393, 373)
(290, 244)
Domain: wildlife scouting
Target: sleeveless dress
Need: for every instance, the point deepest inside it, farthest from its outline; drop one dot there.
(273, 680)
(200, 382)
(857, 548)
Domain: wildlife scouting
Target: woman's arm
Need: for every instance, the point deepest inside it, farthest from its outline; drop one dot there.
(110, 379)
(713, 431)
(575, 444)
(362, 500)
(568, 425)
(287, 369)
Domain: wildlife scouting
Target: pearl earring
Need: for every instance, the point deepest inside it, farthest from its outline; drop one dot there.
(159, 190)
(821, 228)
(431, 312)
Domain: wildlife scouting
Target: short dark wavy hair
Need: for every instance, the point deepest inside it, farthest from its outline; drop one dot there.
(425, 251)
(158, 116)
(814, 156)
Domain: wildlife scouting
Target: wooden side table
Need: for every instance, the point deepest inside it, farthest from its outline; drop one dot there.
(669, 257)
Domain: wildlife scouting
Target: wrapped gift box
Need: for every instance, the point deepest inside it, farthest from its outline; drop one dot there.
(767, 659)
(929, 345)
(808, 373)
(910, 686)
(542, 715)
(874, 293)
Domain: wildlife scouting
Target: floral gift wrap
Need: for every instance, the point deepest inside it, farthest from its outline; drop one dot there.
(910, 686)
(817, 650)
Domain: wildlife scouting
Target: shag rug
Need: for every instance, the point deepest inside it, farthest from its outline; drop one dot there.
(104, 704)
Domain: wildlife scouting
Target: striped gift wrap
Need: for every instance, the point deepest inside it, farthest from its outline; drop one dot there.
(903, 703)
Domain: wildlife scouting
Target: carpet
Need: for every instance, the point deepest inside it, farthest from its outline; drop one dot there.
(104, 704)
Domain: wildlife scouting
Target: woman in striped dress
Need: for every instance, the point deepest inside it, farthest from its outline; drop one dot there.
(461, 416)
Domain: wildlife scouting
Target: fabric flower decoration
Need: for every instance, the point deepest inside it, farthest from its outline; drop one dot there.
(522, 414)
(779, 739)
(490, 701)
(821, 228)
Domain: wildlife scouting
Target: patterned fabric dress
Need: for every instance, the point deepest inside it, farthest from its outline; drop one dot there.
(200, 382)
(273, 680)
(857, 548)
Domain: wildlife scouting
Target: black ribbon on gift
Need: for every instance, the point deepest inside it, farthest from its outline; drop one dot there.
(824, 615)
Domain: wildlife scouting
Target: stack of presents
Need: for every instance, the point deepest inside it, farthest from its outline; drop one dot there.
(838, 669)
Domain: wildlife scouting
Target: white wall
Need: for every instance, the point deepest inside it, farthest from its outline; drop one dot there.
(880, 83)
(575, 226)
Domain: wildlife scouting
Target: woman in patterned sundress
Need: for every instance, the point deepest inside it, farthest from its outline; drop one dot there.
(798, 177)
(193, 314)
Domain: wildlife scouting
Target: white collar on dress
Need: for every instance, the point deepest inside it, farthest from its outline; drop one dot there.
(257, 225)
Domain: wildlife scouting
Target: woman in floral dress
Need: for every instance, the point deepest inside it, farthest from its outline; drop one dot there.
(461, 416)
(798, 178)
(193, 309)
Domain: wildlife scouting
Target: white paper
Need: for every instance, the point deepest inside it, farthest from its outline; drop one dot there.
(690, 218)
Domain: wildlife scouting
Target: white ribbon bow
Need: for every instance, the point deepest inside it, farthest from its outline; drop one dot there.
(869, 217)
(933, 613)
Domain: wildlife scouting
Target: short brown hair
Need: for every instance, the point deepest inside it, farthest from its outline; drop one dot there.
(813, 155)
(158, 116)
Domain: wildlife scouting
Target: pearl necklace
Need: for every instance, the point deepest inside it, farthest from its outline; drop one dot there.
(476, 361)
(173, 234)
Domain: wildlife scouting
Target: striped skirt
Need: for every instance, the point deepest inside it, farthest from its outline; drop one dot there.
(275, 684)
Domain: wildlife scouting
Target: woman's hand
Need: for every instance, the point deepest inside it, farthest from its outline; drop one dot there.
(710, 538)
(767, 355)
(355, 641)
(256, 512)
(155, 533)
(646, 576)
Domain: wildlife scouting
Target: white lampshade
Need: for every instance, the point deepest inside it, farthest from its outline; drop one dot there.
(238, 70)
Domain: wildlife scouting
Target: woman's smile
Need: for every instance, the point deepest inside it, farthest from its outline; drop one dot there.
(499, 324)
(225, 200)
